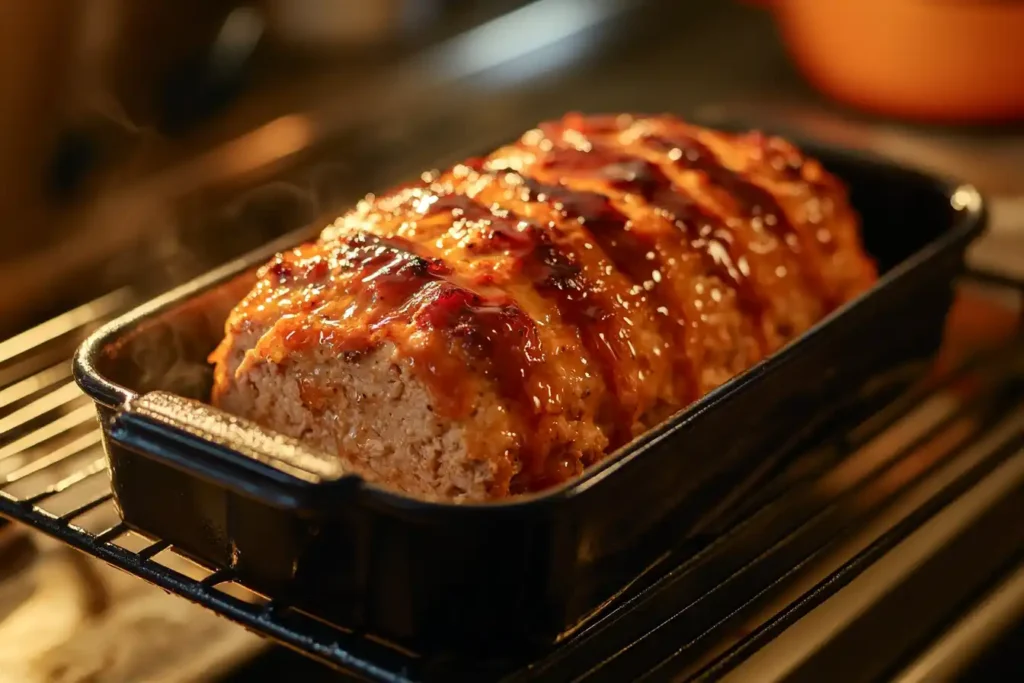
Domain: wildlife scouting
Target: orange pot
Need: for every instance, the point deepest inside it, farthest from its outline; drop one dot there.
(939, 60)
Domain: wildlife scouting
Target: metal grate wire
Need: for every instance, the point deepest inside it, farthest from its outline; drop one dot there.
(53, 478)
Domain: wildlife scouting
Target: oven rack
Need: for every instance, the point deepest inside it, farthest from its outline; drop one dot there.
(702, 616)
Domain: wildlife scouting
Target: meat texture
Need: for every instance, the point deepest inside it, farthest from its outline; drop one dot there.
(495, 328)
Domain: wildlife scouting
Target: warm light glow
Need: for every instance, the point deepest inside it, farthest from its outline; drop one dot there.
(269, 143)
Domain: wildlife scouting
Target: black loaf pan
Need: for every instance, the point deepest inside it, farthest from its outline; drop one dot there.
(453, 579)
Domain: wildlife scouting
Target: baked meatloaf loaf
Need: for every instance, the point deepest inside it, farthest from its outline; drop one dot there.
(497, 327)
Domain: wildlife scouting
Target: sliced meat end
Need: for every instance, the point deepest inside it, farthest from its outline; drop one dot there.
(371, 409)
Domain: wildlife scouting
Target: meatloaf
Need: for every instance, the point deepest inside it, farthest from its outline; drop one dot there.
(495, 328)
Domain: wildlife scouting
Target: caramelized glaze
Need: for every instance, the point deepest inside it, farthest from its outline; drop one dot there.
(597, 275)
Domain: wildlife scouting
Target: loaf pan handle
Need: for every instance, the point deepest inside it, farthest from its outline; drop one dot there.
(234, 453)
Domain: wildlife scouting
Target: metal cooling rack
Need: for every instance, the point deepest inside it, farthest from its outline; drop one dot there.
(697, 617)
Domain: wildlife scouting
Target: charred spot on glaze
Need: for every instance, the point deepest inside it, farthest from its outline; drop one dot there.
(280, 269)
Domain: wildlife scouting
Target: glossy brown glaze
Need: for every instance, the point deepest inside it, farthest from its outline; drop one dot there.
(596, 276)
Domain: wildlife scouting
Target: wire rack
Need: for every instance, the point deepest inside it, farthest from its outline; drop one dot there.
(701, 614)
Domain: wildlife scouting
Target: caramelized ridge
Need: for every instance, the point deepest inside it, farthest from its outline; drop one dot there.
(617, 172)
(818, 208)
(719, 271)
(775, 268)
(775, 187)
(636, 254)
(755, 203)
(759, 204)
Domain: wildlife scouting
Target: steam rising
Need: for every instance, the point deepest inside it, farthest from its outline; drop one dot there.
(170, 352)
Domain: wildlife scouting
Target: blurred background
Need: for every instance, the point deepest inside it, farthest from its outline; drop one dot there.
(143, 142)
(125, 123)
